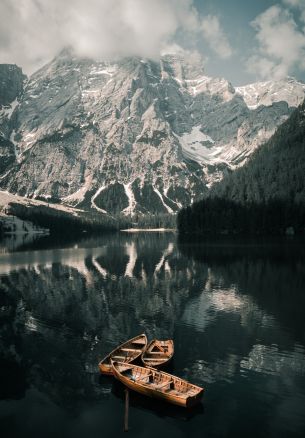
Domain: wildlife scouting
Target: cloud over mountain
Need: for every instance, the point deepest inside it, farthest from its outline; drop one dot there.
(33, 31)
(280, 41)
(215, 36)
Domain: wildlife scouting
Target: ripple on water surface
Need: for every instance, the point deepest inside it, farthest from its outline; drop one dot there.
(237, 332)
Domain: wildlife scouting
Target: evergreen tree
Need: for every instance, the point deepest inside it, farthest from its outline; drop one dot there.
(266, 196)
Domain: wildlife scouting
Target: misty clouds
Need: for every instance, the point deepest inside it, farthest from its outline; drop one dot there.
(33, 31)
(281, 42)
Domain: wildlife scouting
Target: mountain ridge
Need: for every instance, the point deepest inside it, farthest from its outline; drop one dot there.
(275, 171)
(264, 197)
(132, 136)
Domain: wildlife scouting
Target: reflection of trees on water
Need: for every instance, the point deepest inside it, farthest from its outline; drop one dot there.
(119, 290)
(272, 274)
(251, 318)
(228, 310)
(70, 310)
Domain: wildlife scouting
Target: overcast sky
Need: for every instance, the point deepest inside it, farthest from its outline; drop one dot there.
(243, 41)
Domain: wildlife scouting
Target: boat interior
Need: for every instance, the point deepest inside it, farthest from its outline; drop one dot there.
(158, 381)
(157, 352)
(123, 355)
(128, 353)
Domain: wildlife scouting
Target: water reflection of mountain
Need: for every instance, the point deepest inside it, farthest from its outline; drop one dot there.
(88, 299)
(229, 312)
(89, 288)
(13, 242)
(271, 272)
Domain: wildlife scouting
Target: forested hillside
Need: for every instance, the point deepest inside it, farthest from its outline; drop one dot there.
(275, 171)
(266, 196)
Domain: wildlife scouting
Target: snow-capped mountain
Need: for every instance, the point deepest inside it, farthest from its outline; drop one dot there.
(266, 93)
(134, 135)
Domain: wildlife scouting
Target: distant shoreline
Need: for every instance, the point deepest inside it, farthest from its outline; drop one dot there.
(151, 230)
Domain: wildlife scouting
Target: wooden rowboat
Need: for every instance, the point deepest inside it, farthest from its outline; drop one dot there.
(126, 352)
(158, 353)
(153, 383)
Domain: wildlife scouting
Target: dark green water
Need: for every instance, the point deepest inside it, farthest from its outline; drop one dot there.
(235, 312)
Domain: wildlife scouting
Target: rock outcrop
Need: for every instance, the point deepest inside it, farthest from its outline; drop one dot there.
(132, 136)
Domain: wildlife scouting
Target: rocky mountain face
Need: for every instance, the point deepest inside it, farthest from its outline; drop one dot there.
(266, 93)
(275, 172)
(132, 136)
(11, 87)
(11, 83)
(264, 197)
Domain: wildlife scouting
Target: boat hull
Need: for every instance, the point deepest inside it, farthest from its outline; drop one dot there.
(105, 366)
(158, 353)
(105, 369)
(178, 399)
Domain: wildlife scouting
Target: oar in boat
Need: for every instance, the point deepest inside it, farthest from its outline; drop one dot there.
(126, 352)
(155, 383)
(158, 352)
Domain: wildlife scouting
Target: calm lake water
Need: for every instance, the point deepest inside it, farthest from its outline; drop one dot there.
(235, 312)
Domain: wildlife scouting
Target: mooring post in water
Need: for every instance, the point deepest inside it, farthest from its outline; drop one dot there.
(126, 410)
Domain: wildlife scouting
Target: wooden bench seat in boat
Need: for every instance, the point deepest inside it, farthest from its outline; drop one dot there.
(155, 352)
(154, 359)
(158, 352)
(154, 383)
(144, 379)
(124, 352)
(162, 385)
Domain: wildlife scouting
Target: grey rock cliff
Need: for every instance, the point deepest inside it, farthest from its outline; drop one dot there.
(133, 135)
(11, 88)
(11, 83)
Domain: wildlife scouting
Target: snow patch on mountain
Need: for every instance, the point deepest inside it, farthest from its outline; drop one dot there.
(198, 146)
(79, 195)
(169, 210)
(93, 204)
(108, 70)
(8, 110)
(153, 135)
(266, 93)
(6, 198)
(131, 199)
(196, 86)
(15, 143)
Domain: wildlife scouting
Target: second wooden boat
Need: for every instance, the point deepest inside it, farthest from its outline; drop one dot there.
(126, 352)
(154, 383)
(158, 353)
